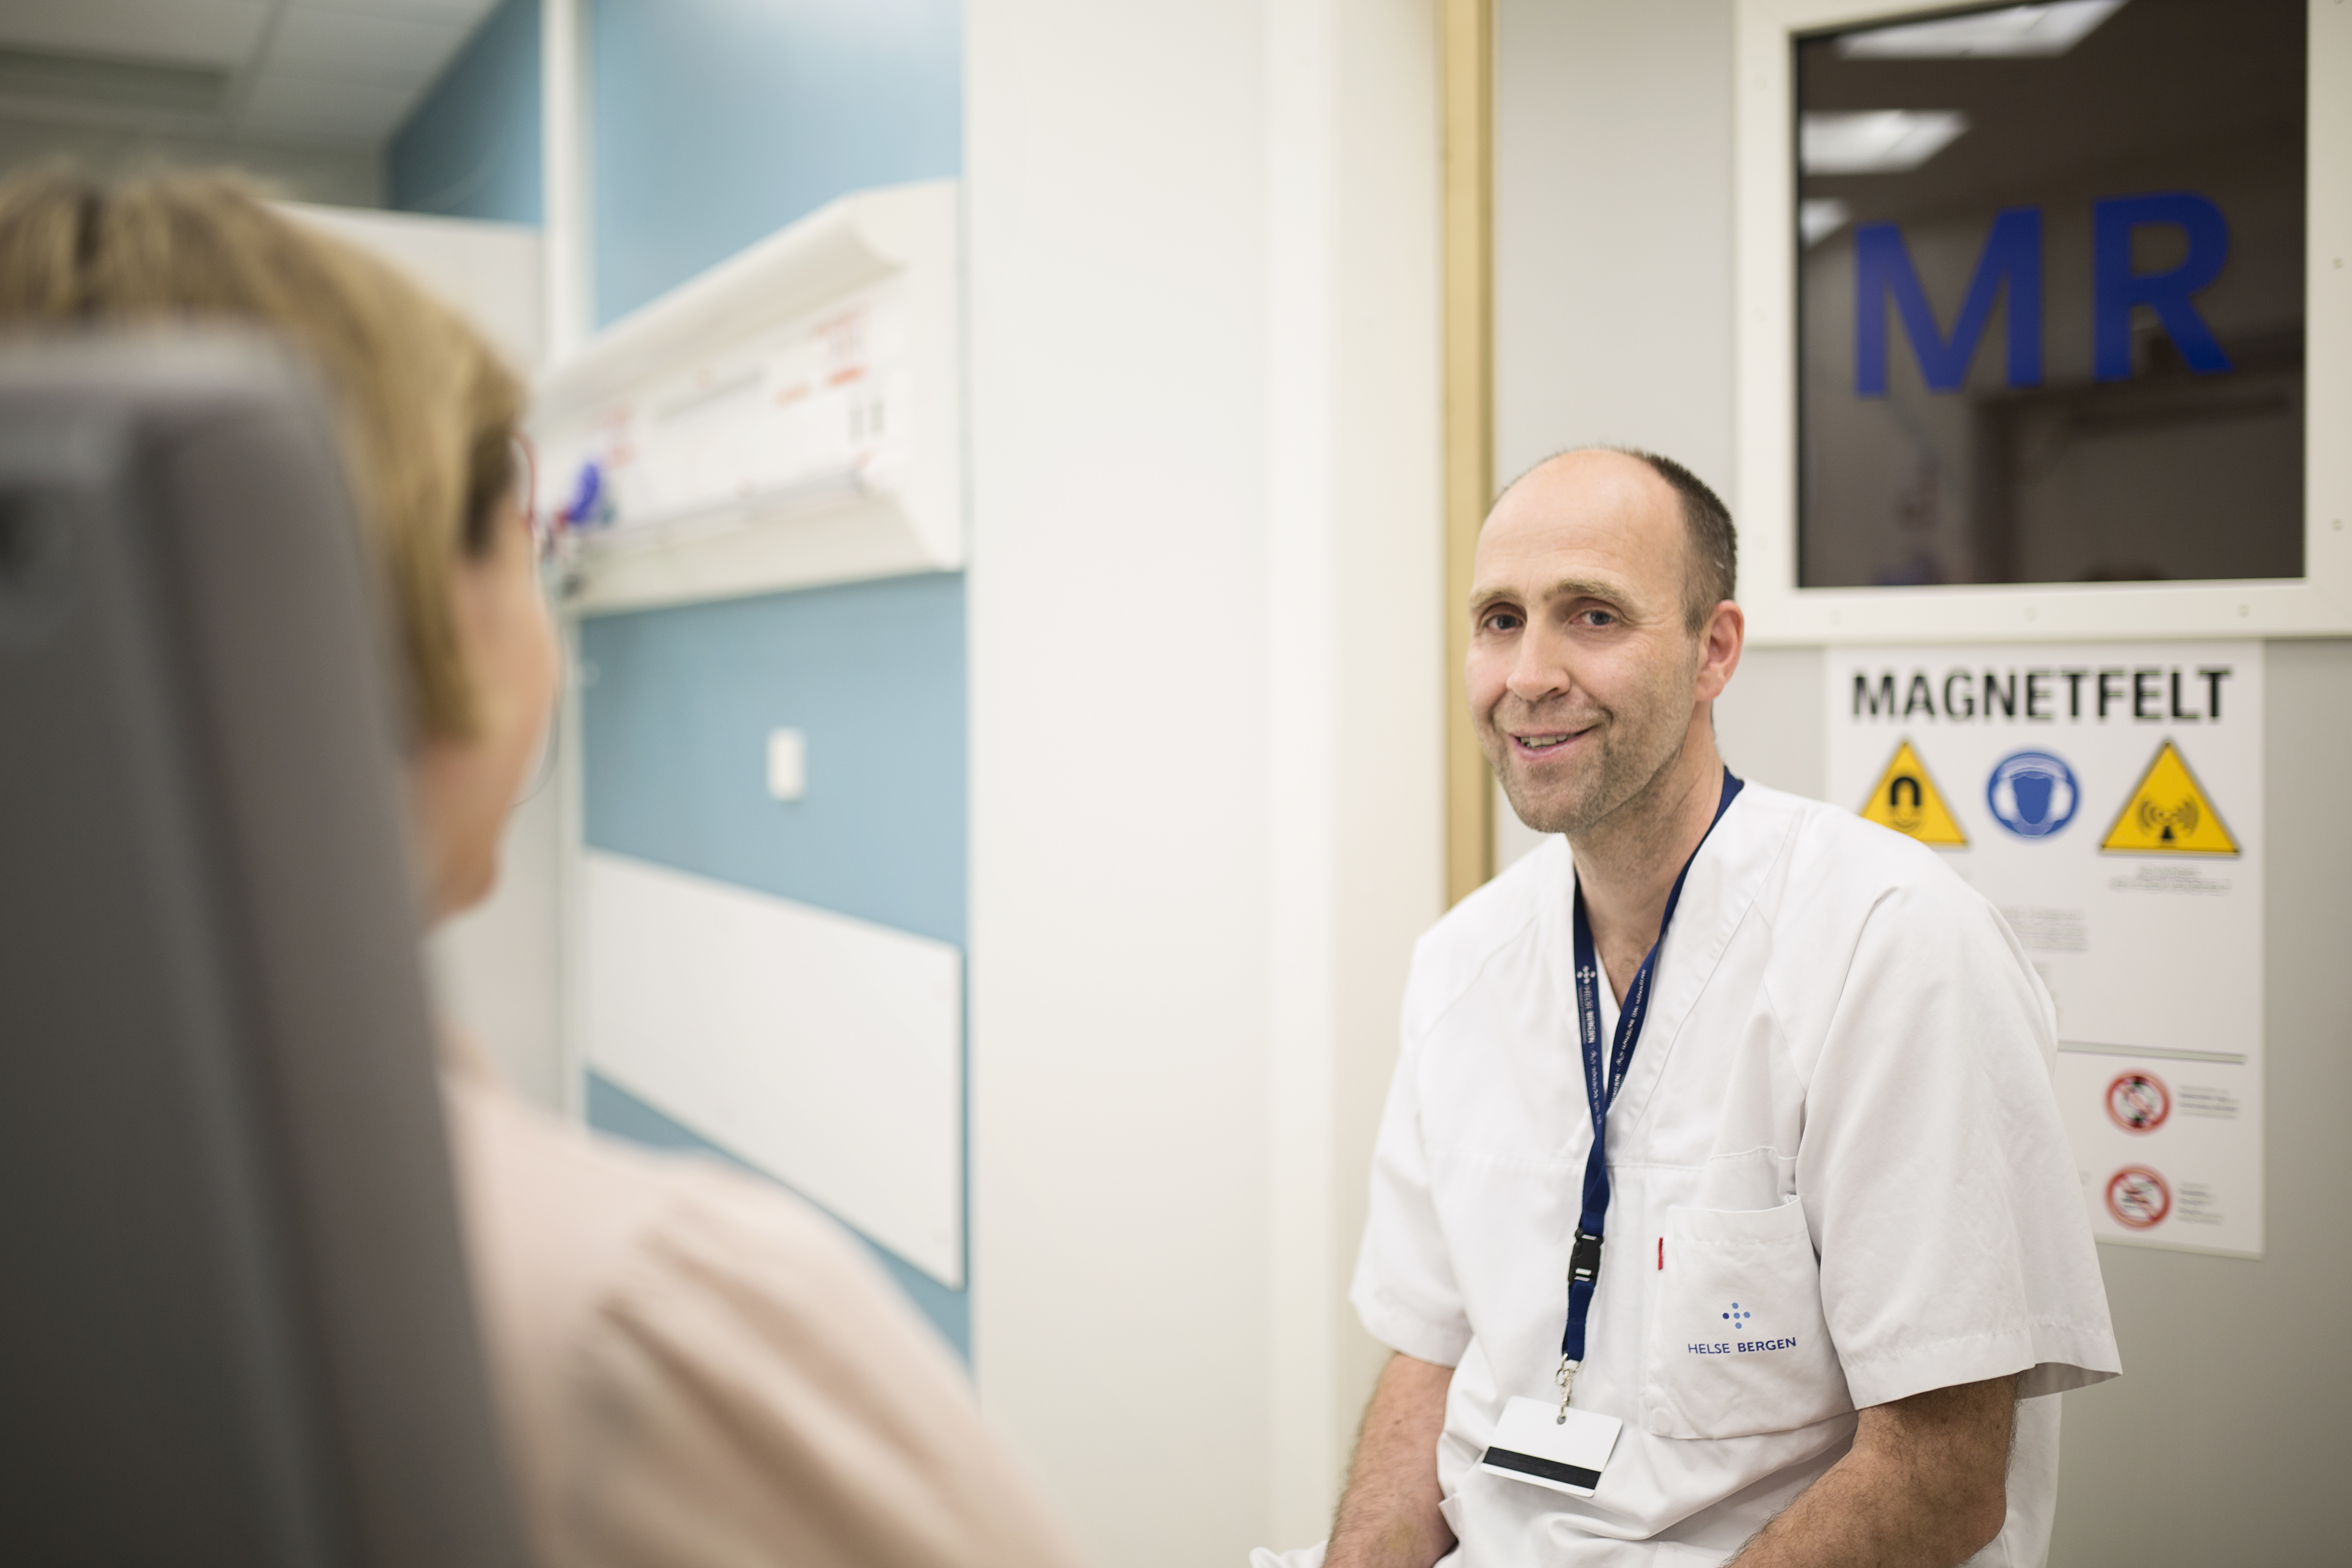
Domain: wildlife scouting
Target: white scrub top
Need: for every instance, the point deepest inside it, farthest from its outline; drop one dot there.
(1838, 1177)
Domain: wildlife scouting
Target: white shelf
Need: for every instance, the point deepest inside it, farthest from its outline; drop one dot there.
(793, 416)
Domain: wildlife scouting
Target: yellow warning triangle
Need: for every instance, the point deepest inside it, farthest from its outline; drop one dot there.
(2169, 814)
(1906, 800)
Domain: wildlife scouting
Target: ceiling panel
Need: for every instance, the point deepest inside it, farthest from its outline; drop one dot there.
(343, 72)
(466, 13)
(376, 44)
(336, 109)
(218, 32)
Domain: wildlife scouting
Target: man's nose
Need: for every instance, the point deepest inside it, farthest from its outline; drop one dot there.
(1538, 671)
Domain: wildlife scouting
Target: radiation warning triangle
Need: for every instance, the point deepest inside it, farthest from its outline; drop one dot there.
(1906, 800)
(2169, 814)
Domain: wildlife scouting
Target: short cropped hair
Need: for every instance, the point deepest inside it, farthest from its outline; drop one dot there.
(426, 409)
(1715, 544)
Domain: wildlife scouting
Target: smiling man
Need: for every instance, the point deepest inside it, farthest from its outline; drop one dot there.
(1811, 1299)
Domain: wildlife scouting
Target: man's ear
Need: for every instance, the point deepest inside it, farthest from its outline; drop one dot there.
(1720, 644)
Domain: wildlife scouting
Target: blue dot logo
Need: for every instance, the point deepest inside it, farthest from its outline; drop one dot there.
(2032, 794)
(1736, 1317)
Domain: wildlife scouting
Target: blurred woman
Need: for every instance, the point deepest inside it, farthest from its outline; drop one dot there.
(693, 1367)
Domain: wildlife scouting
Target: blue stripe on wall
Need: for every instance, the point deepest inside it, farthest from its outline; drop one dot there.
(614, 1110)
(678, 707)
(470, 148)
(719, 121)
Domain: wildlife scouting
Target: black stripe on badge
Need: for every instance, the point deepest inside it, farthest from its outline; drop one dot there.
(1550, 1470)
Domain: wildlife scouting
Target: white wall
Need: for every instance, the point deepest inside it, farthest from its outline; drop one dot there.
(490, 271)
(1205, 730)
(1612, 231)
(495, 969)
(2222, 1441)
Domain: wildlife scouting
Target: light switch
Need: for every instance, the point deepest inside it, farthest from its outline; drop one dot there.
(787, 764)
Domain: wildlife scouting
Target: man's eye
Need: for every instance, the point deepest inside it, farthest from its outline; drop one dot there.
(1599, 618)
(1500, 621)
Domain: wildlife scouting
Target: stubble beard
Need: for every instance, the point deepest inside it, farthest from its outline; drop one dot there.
(1631, 760)
(1623, 771)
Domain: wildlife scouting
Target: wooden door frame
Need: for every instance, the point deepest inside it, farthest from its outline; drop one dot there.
(1467, 54)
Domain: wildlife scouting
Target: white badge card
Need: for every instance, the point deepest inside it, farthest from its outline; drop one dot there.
(1538, 1442)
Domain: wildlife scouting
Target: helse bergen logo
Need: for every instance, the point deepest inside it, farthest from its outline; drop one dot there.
(1734, 1318)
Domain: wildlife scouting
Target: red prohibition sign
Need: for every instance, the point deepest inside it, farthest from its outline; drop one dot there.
(2137, 1197)
(2138, 1101)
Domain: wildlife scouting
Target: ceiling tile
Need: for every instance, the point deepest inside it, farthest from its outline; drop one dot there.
(287, 103)
(466, 13)
(371, 44)
(217, 32)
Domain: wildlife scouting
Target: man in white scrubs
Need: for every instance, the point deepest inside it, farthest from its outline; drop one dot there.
(1815, 1304)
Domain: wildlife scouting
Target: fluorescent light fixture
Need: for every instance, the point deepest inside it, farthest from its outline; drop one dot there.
(1876, 140)
(2013, 32)
(1819, 219)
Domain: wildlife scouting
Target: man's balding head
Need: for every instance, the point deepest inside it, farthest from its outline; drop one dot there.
(1712, 545)
(1602, 629)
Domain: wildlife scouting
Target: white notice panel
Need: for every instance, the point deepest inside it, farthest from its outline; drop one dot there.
(826, 1051)
(2108, 797)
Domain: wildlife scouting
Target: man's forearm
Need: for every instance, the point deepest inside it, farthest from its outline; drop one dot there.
(1389, 1516)
(1925, 1485)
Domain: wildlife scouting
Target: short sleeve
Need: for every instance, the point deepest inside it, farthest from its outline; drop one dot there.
(1934, 1169)
(1405, 1289)
(751, 1390)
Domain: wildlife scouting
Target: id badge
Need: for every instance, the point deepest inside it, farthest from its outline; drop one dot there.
(1532, 1443)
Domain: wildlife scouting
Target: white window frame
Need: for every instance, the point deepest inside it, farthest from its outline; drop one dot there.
(1778, 611)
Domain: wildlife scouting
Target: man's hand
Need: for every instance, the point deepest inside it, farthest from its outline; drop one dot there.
(1925, 1485)
(1388, 1517)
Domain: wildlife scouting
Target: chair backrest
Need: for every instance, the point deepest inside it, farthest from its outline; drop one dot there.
(234, 1321)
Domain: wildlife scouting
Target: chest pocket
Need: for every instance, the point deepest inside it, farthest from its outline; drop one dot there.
(1736, 1341)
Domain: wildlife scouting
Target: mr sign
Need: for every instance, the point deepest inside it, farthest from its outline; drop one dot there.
(2011, 260)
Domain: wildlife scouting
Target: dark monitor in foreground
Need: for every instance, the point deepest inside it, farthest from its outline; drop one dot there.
(235, 1325)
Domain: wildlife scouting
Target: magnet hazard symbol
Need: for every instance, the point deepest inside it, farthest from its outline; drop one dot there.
(2169, 814)
(1906, 800)
(2137, 1197)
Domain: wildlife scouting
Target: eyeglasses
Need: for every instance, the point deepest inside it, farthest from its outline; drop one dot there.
(546, 533)
(545, 528)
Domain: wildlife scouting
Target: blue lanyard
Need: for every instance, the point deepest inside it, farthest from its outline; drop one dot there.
(1601, 1092)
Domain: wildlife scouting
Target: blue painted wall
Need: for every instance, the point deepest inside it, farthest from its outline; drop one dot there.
(676, 721)
(719, 121)
(471, 147)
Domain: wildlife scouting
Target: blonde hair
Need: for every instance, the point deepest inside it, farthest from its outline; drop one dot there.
(427, 408)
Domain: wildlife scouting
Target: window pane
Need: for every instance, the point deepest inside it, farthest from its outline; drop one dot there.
(2051, 295)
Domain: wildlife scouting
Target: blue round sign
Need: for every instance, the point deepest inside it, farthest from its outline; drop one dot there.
(2032, 794)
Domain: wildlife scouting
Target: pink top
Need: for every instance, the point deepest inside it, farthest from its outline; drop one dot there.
(696, 1368)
